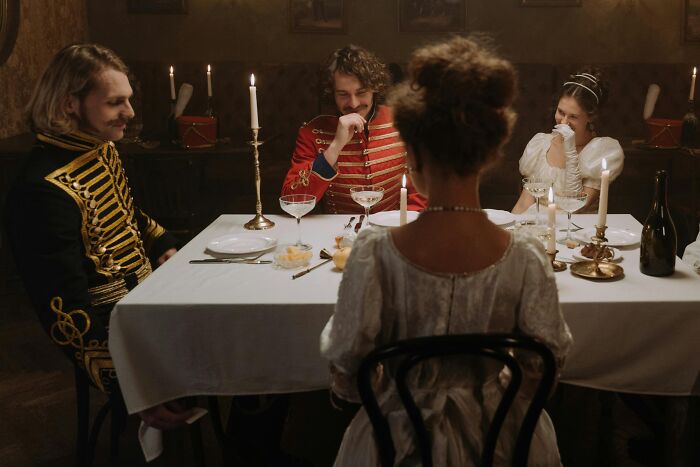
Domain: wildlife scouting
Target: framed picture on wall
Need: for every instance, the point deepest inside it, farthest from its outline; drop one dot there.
(156, 6)
(327, 16)
(550, 2)
(692, 20)
(432, 15)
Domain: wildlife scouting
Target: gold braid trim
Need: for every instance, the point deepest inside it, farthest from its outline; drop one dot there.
(115, 290)
(69, 330)
(302, 179)
(152, 232)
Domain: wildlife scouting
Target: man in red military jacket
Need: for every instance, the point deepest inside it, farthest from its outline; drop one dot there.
(359, 147)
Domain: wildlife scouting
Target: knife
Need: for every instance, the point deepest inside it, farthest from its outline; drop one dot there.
(359, 223)
(229, 260)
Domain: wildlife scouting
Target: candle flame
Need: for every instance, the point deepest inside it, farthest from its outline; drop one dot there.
(171, 69)
(695, 70)
(551, 195)
(403, 181)
(252, 80)
(208, 68)
(604, 164)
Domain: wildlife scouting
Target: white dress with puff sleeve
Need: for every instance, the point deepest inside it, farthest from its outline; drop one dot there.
(383, 297)
(533, 162)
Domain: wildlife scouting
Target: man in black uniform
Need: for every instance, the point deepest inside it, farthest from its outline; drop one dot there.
(79, 242)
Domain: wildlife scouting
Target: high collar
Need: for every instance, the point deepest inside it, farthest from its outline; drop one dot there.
(74, 141)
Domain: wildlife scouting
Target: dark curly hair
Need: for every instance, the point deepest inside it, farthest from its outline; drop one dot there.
(455, 107)
(361, 63)
(588, 88)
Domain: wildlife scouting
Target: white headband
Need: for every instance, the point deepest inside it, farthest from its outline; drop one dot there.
(589, 77)
(585, 87)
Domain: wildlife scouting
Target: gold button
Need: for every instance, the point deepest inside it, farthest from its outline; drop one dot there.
(101, 249)
(93, 205)
(76, 185)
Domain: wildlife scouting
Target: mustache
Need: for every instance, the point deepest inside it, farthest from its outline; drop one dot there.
(350, 110)
(120, 121)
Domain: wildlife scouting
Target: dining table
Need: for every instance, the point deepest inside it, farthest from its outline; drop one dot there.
(238, 328)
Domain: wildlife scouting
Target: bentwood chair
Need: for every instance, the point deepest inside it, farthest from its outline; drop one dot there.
(498, 347)
(87, 435)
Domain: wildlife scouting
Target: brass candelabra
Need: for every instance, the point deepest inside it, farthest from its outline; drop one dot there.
(259, 222)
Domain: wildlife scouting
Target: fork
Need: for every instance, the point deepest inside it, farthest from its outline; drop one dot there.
(347, 226)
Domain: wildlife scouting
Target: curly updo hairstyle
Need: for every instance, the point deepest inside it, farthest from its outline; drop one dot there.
(455, 107)
(360, 63)
(588, 88)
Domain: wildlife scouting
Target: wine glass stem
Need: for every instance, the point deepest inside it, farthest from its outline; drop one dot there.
(366, 216)
(299, 232)
(537, 216)
(568, 226)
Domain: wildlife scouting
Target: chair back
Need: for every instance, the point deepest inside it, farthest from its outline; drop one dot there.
(491, 346)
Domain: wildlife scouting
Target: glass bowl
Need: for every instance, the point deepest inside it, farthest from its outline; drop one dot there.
(288, 256)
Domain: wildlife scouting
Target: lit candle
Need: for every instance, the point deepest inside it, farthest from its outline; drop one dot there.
(692, 85)
(209, 80)
(551, 247)
(551, 209)
(403, 203)
(253, 104)
(603, 203)
(172, 84)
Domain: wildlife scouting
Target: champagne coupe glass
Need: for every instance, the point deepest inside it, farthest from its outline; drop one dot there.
(537, 187)
(367, 196)
(298, 205)
(570, 201)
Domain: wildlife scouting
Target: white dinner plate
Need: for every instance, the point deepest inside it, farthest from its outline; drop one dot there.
(616, 237)
(241, 243)
(391, 218)
(499, 217)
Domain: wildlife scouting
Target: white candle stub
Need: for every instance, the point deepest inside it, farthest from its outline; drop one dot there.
(253, 104)
(403, 202)
(172, 83)
(603, 203)
(209, 81)
(551, 209)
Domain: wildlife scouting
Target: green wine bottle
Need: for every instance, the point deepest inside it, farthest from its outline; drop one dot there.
(658, 249)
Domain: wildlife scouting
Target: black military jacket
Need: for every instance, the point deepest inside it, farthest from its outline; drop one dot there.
(80, 243)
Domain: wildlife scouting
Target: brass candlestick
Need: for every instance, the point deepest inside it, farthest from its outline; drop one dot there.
(600, 234)
(558, 266)
(259, 222)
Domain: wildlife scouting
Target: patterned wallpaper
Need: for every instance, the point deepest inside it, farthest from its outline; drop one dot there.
(44, 28)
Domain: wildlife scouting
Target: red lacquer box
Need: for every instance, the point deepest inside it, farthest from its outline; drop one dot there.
(663, 132)
(196, 132)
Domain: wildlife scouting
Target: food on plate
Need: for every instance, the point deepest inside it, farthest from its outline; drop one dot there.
(590, 250)
(340, 257)
(571, 244)
(289, 256)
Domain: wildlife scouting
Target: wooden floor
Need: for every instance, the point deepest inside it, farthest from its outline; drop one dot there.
(37, 416)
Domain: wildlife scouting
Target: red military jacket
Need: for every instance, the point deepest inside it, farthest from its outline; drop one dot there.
(375, 157)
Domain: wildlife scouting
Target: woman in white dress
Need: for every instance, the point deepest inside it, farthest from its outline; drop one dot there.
(449, 272)
(572, 154)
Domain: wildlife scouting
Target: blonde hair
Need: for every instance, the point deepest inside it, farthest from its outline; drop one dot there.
(71, 72)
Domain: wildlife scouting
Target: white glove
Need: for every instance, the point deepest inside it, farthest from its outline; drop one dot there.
(573, 172)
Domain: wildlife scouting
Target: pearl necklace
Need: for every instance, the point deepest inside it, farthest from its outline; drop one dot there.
(453, 209)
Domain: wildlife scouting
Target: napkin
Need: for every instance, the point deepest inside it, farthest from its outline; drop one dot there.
(151, 439)
(650, 102)
(183, 98)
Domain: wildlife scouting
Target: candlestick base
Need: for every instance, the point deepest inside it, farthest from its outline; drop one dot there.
(259, 222)
(557, 266)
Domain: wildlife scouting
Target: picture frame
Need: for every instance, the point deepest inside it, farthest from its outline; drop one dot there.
(9, 24)
(157, 6)
(691, 21)
(317, 16)
(554, 3)
(431, 16)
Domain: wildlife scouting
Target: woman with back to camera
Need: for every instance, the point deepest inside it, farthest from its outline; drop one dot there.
(470, 276)
(571, 155)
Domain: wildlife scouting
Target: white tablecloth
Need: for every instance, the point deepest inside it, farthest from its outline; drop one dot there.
(201, 329)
